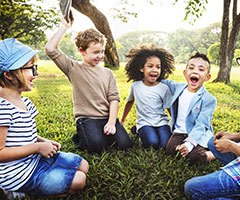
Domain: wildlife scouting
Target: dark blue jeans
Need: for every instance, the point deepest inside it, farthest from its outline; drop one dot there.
(90, 135)
(225, 158)
(155, 136)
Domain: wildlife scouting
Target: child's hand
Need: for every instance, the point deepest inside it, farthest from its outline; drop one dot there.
(47, 149)
(223, 145)
(56, 144)
(219, 135)
(183, 149)
(65, 23)
(226, 135)
(109, 129)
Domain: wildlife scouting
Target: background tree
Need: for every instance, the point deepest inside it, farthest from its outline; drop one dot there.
(25, 21)
(230, 30)
(111, 58)
(213, 53)
(133, 39)
(182, 43)
(228, 41)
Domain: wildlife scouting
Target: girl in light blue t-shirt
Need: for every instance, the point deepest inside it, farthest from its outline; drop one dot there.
(147, 67)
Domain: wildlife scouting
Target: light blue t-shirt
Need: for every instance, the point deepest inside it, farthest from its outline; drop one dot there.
(151, 102)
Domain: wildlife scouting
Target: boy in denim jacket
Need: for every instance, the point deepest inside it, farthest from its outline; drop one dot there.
(192, 110)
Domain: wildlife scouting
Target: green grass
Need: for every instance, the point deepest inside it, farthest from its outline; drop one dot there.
(138, 173)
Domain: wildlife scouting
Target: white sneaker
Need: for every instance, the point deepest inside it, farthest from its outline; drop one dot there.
(14, 195)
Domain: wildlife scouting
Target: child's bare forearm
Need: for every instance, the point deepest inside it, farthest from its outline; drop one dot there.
(126, 110)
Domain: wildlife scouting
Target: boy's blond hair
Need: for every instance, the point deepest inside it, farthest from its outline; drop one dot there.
(84, 38)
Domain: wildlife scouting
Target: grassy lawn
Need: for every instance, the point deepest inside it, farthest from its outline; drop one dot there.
(138, 173)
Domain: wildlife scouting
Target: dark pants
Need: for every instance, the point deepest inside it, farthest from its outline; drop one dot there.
(197, 155)
(90, 135)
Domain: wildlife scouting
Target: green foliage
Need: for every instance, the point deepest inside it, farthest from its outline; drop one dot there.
(213, 53)
(123, 13)
(194, 9)
(183, 43)
(69, 48)
(138, 173)
(138, 38)
(26, 21)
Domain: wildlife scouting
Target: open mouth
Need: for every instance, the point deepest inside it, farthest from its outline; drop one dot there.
(153, 75)
(194, 79)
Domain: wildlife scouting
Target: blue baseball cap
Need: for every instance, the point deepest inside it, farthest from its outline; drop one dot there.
(14, 54)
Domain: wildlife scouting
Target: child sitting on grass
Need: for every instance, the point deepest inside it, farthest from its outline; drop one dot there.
(30, 163)
(95, 92)
(224, 183)
(192, 110)
(147, 67)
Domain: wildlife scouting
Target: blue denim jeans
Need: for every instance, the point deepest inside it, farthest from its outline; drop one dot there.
(225, 158)
(217, 185)
(90, 135)
(155, 136)
(53, 175)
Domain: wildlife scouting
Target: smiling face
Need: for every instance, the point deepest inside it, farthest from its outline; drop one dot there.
(151, 71)
(94, 54)
(29, 75)
(196, 72)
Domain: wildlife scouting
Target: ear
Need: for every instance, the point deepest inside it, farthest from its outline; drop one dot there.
(141, 69)
(7, 75)
(82, 52)
(208, 76)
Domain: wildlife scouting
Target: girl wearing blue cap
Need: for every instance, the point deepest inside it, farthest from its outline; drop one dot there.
(29, 163)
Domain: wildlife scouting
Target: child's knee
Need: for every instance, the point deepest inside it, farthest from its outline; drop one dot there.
(79, 181)
(198, 157)
(188, 188)
(170, 149)
(124, 144)
(84, 166)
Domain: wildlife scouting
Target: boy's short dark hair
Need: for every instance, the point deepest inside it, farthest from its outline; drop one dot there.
(84, 38)
(201, 55)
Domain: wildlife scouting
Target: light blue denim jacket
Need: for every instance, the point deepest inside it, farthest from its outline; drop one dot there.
(200, 113)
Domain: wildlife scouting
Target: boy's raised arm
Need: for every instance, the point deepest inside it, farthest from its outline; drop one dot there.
(54, 41)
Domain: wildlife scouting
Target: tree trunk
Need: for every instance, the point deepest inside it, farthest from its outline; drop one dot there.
(228, 43)
(111, 58)
(223, 72)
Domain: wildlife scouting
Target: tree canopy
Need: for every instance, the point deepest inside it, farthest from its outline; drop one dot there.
(26, 21)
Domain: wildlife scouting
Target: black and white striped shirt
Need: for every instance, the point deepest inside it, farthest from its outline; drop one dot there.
(21, 131)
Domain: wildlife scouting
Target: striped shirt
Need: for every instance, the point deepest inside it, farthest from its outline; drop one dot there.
(21, 131)
(233, 169)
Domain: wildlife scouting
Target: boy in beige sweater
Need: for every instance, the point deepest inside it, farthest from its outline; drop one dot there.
(95, 94)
